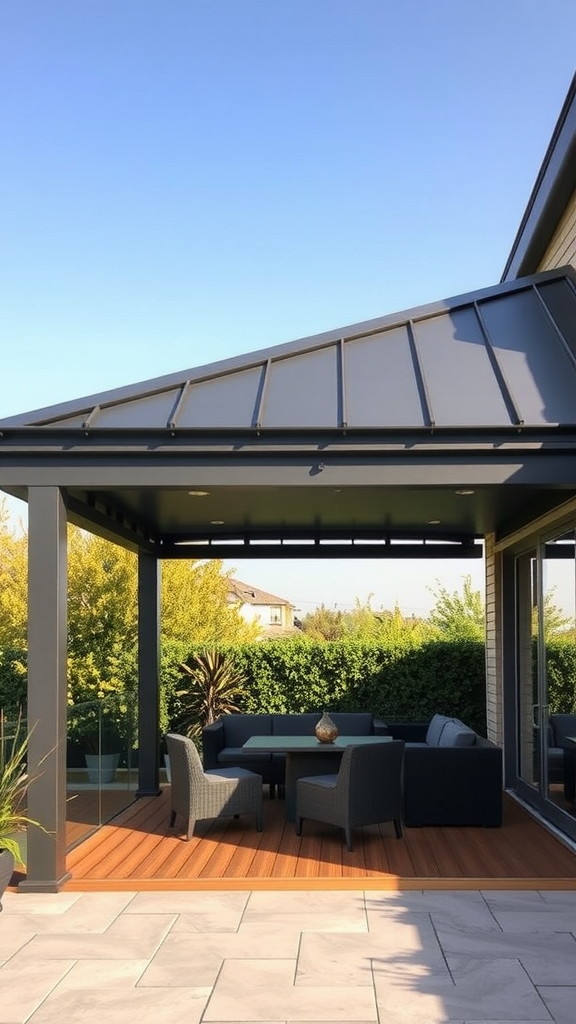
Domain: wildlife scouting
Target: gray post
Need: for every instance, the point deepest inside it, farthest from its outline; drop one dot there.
(148, 674)
(47, 689)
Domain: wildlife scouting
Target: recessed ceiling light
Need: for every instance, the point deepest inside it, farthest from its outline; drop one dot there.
(434, 522)
(465, 490)
(198, 494)
(216, 522)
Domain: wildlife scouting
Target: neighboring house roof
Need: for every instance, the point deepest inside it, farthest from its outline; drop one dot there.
(248, 594)
(555, 183)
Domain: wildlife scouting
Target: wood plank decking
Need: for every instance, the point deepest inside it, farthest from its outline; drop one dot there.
(137, 851)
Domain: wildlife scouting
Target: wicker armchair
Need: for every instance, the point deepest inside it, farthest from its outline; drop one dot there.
(198, 794)
(366, 790)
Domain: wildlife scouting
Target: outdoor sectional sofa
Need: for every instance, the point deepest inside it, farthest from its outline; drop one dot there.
(562, 753)
(452, 775)
(222, 742)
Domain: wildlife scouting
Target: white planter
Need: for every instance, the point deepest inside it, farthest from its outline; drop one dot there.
(101, 767)
(6, 869)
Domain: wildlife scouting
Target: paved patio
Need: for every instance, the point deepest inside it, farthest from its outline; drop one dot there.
(420, 957)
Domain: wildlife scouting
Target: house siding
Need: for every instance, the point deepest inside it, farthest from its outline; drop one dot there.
(561, 249)
(494, 705)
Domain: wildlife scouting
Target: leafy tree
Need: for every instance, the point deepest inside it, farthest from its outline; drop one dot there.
(323, 624)
(195, 607)
(13, 584)
(557, 624)
(460, 615)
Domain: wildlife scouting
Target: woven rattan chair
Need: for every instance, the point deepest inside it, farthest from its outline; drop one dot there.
(198, 794)
(366, 790)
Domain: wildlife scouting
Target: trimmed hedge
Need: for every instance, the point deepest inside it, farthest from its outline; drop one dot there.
(394, 683)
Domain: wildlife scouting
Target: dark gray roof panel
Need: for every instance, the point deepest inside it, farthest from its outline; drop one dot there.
(227, 401)
(456, 367)
(303, 391)
(498, 358)
(381, 386)
(137, 414)
(528, 348)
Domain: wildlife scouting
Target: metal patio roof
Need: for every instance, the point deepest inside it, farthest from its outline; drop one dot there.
(364, 433)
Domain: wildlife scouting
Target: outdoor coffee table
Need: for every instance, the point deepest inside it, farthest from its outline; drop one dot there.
(305, 755)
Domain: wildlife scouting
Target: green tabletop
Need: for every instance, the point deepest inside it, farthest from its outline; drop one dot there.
(293, 744)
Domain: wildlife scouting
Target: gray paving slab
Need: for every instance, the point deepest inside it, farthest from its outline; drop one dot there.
(335, 957)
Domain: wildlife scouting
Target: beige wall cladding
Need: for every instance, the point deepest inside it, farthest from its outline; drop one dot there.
(562, 248)
(494, 714)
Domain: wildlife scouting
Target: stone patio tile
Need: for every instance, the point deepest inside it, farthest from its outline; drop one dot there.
(122, 941)
(135, 1006)
(24, 986)
(93, 912)
(448, 908)
(561, 1002)
(333, 958)
(565, 897)
(38, 903)
(551, 964)
(18, 929)
(497, 990)
(548, 918)
(91, 974)
(311, 911)
(264, 990)
(199, 911)
(192, 958)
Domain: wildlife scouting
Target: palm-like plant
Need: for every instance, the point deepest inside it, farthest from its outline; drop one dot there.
(214, 684)
(14, 782)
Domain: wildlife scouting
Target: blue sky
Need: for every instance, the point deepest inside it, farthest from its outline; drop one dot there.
(186, 180)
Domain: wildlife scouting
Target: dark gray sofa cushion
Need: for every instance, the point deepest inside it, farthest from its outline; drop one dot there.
(456, 734)
(239, 728)
(293, 725)
(436, 728)
(353, 723)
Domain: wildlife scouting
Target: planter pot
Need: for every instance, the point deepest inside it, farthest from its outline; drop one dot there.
(6, 869)
(102, 767)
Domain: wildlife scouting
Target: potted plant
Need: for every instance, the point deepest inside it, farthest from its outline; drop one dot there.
(92, 726)
(14, 782)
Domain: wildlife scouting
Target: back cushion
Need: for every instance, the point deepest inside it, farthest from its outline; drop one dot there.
(348, 723)
(435, 729)
(455, 734)
(563, 725)
(239, 728)
(294, 725)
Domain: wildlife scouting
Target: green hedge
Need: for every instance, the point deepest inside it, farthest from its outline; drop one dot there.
(394, 683)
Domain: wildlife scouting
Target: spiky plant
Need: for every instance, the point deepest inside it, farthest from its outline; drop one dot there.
(14, 782)
(214, 684)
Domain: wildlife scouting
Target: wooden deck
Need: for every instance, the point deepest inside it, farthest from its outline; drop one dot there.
(137, 851)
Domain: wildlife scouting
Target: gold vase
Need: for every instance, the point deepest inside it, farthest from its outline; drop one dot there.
(325, 729)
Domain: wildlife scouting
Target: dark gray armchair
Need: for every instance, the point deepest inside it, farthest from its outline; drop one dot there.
(198, 794)
(366, 790)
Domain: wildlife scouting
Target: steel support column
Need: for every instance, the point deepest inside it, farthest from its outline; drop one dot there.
(47, 627)
(148, 674)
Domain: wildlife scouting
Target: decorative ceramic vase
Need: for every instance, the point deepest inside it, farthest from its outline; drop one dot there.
(325, 729)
